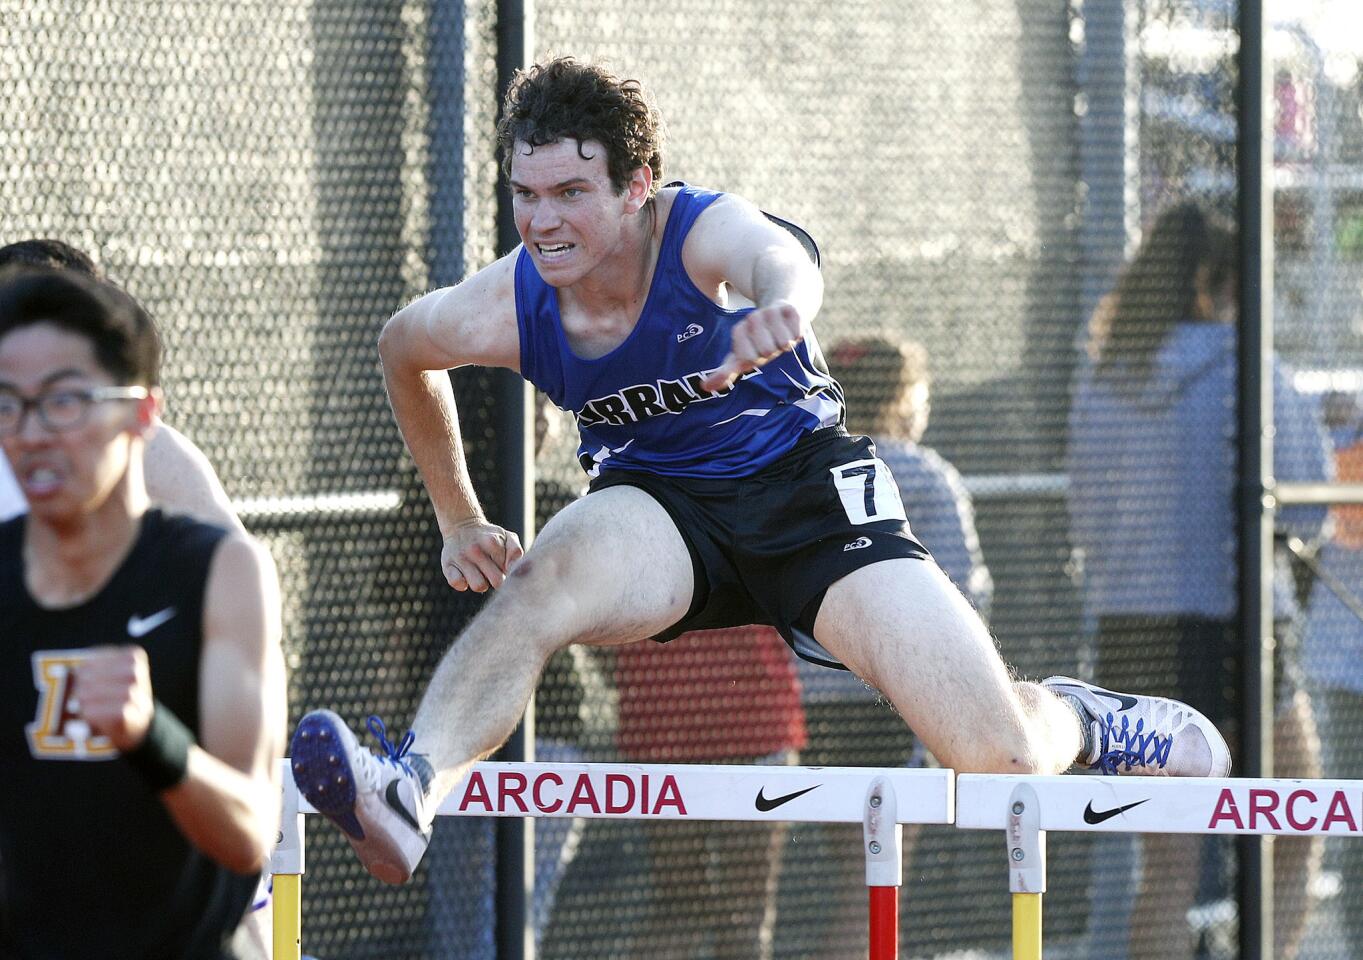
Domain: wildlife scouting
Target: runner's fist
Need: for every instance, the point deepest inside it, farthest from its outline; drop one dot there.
(478, 555)
(113, 690)
(761, 336)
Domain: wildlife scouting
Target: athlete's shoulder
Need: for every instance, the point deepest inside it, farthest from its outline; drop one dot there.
(166, 523)
(242, 555)
(470, 322)
(179, 538)
(12, 536)
(13, 525)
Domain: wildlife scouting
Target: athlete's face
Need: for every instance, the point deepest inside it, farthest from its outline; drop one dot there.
(73, 469)
(568, 213)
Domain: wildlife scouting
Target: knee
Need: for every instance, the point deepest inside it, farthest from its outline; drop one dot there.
(545, 603)
(536, 605)
(1007, 748)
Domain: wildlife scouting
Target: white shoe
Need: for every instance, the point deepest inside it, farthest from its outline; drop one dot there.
(1148, 736)
(378, 801)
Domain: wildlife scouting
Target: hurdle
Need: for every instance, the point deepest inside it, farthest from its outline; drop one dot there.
(881, 800)
(1026, 807)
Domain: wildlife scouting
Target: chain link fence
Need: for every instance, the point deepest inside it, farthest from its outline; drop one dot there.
(273, 180)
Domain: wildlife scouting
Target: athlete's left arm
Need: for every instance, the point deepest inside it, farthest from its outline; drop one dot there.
(228, 804)
(733, 243)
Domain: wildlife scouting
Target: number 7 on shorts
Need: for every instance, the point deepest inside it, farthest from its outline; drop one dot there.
(868, 491)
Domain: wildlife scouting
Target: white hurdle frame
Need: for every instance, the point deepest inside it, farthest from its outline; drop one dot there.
(1023, 807)
(1026, 807)
(881, 800)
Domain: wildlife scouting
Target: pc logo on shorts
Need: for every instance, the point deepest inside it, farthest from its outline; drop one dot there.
(860, 543)
(694, 330)
(57, 731)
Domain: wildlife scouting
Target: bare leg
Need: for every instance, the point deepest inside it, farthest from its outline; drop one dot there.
(610, 568)
(902, 626)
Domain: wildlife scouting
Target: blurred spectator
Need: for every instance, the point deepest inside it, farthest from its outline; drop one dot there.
(714, 696)
(1152, 469)
(886, 386)
(1333, 653)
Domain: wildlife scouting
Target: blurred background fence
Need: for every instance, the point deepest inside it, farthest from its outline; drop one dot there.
(274, 179)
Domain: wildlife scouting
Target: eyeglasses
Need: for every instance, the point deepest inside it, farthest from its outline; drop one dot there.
(61, 409)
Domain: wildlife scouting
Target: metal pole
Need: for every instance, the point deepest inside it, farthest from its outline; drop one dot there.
(515, 933)
(1255, 405)
(883, 847)
(1109, 129)
(1026, 870)
(286, 869)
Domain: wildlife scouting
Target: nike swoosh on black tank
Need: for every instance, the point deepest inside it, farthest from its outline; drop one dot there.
(86, 839)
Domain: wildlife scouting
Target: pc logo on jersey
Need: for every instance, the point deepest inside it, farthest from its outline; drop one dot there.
(57, 731)
(694, 330)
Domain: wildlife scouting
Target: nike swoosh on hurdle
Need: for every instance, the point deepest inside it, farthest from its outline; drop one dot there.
(765, 805)
(1098, 816)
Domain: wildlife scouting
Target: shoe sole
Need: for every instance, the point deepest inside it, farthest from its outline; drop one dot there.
(319, 757)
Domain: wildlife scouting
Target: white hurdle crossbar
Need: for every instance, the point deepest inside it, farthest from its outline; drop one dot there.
(1023, 807)
(1268, 807)
(879, 799)
(1026, 807)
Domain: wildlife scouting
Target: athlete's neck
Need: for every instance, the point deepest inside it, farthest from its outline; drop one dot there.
(69, 559)
(600, 310)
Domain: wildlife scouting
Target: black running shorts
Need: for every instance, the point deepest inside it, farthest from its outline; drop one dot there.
(766, 547)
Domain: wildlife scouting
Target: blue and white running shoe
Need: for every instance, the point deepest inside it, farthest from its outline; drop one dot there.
(1146, 736)
(378, 800)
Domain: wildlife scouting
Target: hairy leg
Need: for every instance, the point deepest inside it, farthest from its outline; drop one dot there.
(610, 568)
(902, 626)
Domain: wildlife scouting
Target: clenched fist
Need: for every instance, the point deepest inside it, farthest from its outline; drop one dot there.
(478, 555)
(113, 688)
(761, 336)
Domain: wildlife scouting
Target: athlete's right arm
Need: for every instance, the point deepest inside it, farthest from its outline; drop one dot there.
(471, 323)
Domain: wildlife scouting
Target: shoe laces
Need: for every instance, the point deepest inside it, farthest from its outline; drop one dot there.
(1125, 745)
(392, 753)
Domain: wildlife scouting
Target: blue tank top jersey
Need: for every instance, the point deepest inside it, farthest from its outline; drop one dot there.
(641, 406)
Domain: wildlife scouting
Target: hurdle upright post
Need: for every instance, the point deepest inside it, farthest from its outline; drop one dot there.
(1026, 870)
(883, 841)
(286, 869)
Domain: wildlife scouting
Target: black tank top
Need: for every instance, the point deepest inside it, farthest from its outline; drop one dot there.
(92, 864)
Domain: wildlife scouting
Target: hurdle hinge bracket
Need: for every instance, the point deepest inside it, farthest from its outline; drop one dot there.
(1026, 842)
(883, 836)
(287, 856)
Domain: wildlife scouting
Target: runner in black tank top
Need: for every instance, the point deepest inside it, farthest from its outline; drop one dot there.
(93, 865)
(141, 682)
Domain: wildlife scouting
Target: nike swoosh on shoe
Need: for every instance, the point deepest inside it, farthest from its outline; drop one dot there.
(394, 801)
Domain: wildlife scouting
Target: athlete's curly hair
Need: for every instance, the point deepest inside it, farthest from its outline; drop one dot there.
(565, 98)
